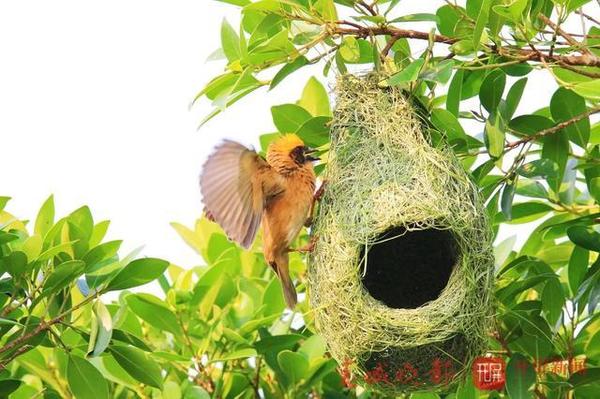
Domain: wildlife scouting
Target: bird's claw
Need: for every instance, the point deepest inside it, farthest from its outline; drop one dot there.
(308, 247)
(320, 191)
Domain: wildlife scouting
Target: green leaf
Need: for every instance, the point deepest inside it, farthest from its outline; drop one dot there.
(540, 168)
(326, 8)
(447, 19)
(294, 365)
(3, 201)
(530, 188)
(99, 253)
(350, 50)
(153, 311)
(315, 131)
(85, 381)
(478, 10)
(553, 300)
(273, 298)
(8, 386)
(514, 11)
(138, 272)
(586, 376)
(584, 237)
(314, 98)
(195, 392)
(230, 42)
(63, 275)
(445, 122)
(508, 194)
(289, 117)
(528, 125)
(137, 365)
(588, 89)
(82, 218)
(288, 69)
(514, 97)
(277, 343)
(556, 148)
(15, 264)
(408, 74)
(578, 266)
(520, 376)
(454, 93)
(566, 105)
(439, 73)
(494, 136)
(492, 89)
(45, 217)
(236, 355)
(525, 212)
(104, 329)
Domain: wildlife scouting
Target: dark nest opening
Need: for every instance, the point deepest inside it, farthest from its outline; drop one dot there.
(407, 268)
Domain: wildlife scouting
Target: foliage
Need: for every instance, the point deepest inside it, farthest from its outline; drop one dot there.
(467, 71)
(221, 329)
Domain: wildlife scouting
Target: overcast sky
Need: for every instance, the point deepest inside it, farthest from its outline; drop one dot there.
(94, 107)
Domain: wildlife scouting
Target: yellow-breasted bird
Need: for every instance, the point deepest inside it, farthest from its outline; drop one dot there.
(241, 190)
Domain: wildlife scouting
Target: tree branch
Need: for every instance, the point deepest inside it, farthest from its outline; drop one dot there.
(521, 54)
(553, 129)
(43, 326)
(565, 35)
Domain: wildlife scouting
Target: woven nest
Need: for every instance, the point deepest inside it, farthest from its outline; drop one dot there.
(401, 276)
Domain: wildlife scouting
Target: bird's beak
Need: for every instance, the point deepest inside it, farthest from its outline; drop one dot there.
(308, 154)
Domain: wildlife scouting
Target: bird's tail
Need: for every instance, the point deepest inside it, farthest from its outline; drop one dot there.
(289, 291)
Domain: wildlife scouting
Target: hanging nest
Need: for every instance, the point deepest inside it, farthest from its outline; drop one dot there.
(401, 276)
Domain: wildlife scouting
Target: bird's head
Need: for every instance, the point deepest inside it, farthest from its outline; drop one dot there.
(288, 153)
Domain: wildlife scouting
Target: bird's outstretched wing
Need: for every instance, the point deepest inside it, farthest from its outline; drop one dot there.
(235, 184)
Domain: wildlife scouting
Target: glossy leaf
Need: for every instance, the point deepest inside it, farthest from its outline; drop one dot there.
(314, 98)
(138, 272)
(288, 118)
(85, 381)
(566, 105)
(584, 237)
(154, 312)
(520, 376)
(492, 89)
(137, 364)
(45, 217)
(408, 74)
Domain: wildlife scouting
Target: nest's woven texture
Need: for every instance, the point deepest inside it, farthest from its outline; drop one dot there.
(383, 172)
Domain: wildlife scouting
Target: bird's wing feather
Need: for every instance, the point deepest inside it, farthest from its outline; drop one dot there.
(236, 183)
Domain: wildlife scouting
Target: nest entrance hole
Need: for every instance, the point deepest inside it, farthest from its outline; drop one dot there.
(407, 268)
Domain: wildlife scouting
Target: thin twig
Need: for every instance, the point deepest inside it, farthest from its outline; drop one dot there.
(588, 17)
(553, 129)
(44, 326)
(18, 352)
(564, 34)
(595, 75)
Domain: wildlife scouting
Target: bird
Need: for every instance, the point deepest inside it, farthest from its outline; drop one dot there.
(242, 191)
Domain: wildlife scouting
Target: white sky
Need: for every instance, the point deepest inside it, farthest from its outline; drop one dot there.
(94, 103)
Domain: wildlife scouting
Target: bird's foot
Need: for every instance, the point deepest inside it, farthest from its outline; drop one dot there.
(309, 221)
(306, 248)
(320, 191)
